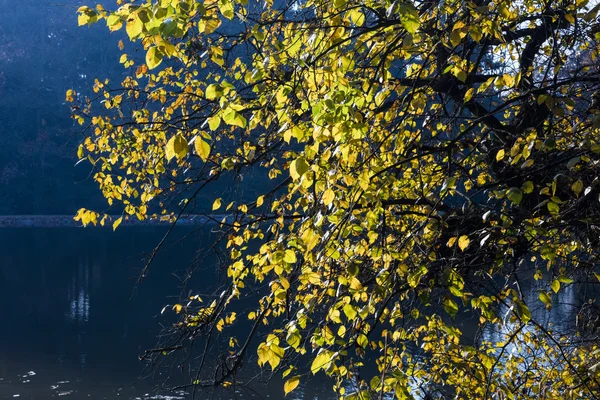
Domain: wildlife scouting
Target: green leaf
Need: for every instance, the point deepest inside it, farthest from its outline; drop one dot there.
(515, 195)
(541, 99)
(555, 285)
(527, 187)
(153, 57)
(553, 208)
(226, 8)
(455, 38)
(234, 118)
(214, 91)
(362, 340)
(409, 17)
(168, 27)
(450, 306)
(322, 361)
(349, 311)
(523, 311)
(545, 298)
(291, 384)
(214, 122)
(202, 148)
(177, 147)
(290, 257)
(134, 26)
(298, 167)
(577, 187)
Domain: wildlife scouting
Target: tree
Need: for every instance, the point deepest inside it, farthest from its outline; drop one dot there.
(428, 160)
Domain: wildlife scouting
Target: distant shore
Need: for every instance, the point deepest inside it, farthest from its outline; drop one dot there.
(50, 221)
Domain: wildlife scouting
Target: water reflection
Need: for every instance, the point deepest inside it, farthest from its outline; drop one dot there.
(73, 326)
(79, 294)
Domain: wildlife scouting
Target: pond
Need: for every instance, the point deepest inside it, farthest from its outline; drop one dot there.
(74, 322)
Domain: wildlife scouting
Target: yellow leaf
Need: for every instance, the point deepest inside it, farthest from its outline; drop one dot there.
(153, 57)
(350, 311)
(291, 384)
(328, 197)
(134, 26)
(463, 242)
(202, 148)
(451, 241)
(176, 147)
(69, 95)
(117, 223)
(500, 155)
(214, 122)
(322, 361)
(217, 204)
(213, 91)
(177, 308)
(469, 94)
(298, 167)
(289, 257)
(208, 25)
(527, 164)
(362, 341)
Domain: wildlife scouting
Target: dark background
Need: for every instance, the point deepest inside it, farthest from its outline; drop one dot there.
(43, 53)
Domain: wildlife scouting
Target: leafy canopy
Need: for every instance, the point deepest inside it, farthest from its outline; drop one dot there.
(429, 160)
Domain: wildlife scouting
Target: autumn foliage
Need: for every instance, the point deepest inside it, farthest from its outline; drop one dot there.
(430, 161)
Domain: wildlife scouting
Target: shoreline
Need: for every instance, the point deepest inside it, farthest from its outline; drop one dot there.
(67, 221)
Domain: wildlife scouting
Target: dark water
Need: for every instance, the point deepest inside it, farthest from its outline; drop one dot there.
(71, 323)
(72, 320)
